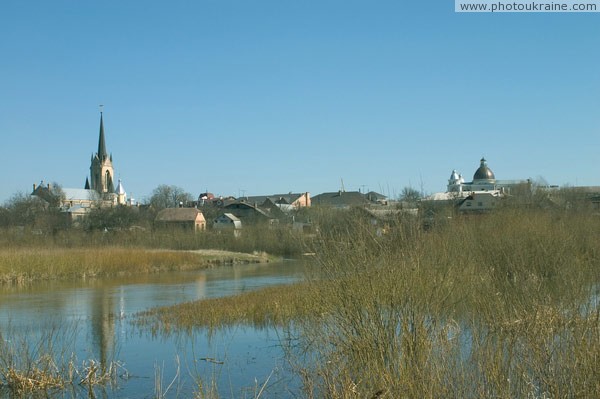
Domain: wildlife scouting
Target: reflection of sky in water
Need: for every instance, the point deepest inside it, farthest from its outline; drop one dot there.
(248, 357)
(99, 310)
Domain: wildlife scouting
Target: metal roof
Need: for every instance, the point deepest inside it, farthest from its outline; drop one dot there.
(79, 194)
(120, 189)
(483, 172)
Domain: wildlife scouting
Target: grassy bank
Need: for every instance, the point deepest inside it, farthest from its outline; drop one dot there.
(499, 305)
(30, 264)
(275, 240)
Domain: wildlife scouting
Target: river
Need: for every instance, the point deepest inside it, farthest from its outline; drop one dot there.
(92, 319)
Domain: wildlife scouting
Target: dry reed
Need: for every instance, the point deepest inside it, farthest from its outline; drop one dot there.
(28, 264)
(496, 305)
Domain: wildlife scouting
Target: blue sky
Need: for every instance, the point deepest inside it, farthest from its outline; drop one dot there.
(261, 97)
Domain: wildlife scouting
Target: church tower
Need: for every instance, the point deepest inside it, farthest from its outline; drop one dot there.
(101, 170)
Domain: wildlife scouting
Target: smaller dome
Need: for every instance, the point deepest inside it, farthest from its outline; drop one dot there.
(454, 176)
(483, 172)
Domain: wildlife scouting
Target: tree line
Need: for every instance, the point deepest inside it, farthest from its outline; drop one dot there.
(24, 210)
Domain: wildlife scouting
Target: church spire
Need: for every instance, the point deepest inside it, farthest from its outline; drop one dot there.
(101, 144)
(101, 170)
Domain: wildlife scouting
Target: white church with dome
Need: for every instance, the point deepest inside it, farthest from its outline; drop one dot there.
(483, 180)
(482, 193)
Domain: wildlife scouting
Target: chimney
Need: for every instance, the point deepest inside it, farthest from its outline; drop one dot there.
(33, 186)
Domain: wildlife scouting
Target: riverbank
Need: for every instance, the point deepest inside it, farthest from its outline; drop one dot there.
(20, 265)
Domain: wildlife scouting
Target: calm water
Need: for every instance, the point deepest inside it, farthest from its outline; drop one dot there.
(93, 319)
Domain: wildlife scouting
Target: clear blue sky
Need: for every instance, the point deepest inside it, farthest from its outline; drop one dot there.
(263, 97)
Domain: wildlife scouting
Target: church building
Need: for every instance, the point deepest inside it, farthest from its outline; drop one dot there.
(99, 188)
(481, 194)
(101, 170)
(483, 180)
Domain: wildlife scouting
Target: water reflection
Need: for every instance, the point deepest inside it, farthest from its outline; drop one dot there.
(100, 308)
(102, 320)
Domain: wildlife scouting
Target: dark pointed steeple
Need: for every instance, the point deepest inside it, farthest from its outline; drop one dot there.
(101, 144)
(101, 170)
(87, 184)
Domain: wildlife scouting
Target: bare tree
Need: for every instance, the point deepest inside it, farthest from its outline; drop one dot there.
(410, 194)
(166, 196)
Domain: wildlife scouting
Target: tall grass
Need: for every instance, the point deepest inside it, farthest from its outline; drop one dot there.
(46, 366)
(28, 264)
(498, 305)
(275, 240)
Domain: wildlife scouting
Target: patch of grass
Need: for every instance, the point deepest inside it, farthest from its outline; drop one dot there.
(19, 265)
(278, 305)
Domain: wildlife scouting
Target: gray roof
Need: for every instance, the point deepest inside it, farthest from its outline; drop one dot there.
(79, 194)
(340, 199)
(246, 206)
(288, 198)
(375, 196)
(120, 189)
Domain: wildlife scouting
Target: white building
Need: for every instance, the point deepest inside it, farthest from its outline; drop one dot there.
(482, 193)
(483, 180)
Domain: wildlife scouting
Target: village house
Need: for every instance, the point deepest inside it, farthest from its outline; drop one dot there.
(480, 201)
(248, 212)
(184, 218)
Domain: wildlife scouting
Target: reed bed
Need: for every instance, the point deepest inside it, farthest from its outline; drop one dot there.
(499, 305)
(277, 305)
(19, 265)
(45, 367)
(275, 240)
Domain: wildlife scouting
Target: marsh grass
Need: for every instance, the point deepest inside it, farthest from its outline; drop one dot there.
(27, 256)
(277, 305)
(18, 265)
(45, 366)
(277, 240)
(498, 305)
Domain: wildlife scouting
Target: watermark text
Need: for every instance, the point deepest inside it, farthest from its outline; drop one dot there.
(526, 6)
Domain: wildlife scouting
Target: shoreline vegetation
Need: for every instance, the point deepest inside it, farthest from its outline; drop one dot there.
(504, 304)
(495, 305)
(21, 265)
(26, 255)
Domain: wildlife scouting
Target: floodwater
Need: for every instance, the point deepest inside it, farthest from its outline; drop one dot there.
(93, 320)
